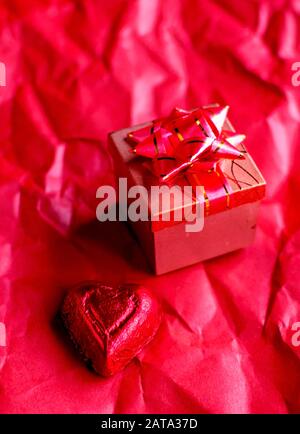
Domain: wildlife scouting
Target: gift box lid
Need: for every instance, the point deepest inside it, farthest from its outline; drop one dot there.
(238, 181)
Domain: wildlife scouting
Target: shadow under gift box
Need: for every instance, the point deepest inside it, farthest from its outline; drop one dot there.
(171, 247)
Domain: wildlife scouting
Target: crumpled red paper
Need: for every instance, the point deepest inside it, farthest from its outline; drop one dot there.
(77, 70)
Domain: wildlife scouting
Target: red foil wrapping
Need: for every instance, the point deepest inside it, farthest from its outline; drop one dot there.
(110, 324)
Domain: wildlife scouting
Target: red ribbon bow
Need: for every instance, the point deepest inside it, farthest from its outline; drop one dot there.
(190, 143)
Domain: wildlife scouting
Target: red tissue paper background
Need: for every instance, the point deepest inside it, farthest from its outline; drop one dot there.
(76, 70)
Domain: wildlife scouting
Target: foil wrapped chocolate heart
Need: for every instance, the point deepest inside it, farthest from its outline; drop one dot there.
(110, 324)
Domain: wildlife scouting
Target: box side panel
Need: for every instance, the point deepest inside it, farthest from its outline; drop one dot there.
(146, 240)
(222, 233)
(142, 229)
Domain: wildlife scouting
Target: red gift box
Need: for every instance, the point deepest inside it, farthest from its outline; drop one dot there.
(232, 184)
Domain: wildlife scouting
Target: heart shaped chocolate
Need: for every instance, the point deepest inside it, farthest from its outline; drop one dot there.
(110, 324)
